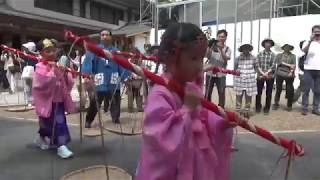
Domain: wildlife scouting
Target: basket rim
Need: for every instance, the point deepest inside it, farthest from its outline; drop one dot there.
(112, 130)
(95, 167)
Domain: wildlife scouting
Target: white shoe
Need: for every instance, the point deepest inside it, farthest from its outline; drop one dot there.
(41, 143)
(64, 152)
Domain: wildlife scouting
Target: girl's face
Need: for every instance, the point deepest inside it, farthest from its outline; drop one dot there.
(50, 53)
(190, 64)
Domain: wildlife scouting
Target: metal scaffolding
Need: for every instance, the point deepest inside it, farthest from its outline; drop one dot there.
(150, 10)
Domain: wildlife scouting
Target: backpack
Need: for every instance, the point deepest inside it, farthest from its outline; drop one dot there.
(301, 62)
(302, 58)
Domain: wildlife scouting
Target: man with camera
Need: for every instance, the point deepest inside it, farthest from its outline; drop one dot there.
(218, 55)
(312, 71)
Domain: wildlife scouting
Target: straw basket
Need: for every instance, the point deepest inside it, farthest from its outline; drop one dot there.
(20, 109)
(130, 125)
(91, 132)
(124, 131)
(98, 172)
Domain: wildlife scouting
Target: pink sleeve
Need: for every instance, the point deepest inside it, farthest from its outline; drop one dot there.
(43, 78)
(69, 82)
(221, 134)
(163, 137)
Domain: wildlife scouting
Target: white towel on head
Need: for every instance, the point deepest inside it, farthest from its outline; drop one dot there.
(31, 46)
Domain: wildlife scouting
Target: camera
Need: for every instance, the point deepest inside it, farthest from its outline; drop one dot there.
(212, 43)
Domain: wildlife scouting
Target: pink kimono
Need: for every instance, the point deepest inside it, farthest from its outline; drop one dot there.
(44, 90)
(182, 145)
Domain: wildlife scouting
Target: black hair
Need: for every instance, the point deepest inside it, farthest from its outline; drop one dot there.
(40, 45)
(110, 33)
(154, 47)
(147, 46)
(180, 33)
(301, 44)
(315, 27)
(222, 31)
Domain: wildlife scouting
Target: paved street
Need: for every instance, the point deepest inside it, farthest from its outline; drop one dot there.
(95, 38)
(19, 159)
(279, 120)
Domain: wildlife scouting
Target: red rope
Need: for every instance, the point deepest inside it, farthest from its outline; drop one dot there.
(225, 71)
(214, 70)
(229, 115)
(136, 55)
(34, 58)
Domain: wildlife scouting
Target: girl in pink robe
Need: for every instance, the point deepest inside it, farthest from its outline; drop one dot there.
(181, 139)
(51, 91)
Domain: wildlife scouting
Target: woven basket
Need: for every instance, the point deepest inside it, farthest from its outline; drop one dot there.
(20, 109)
(127, 127)
(125, 131)
(98, 172)
(92, 132)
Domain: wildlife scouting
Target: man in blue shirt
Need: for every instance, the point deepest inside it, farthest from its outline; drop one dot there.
(107, 76)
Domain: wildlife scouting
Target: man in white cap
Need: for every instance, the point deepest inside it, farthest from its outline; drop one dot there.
(28, 70)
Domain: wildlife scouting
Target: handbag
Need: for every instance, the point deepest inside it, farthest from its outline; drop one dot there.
(13, 69)
(283, 71)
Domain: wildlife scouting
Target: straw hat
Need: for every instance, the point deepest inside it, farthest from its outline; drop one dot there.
(290, 47)
(268, 40)
(245, 46)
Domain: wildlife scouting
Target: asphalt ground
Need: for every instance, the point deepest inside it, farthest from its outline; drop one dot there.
(255, 160)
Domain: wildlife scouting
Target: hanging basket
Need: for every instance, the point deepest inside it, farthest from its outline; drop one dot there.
(98, 172)
(130, 125)
(20, 109)
(92, 132)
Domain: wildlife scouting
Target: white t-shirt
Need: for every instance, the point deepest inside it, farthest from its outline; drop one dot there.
(312, 61)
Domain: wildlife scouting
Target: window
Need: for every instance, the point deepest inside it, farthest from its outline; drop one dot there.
(63, 6)
(104, 13)
(119, 15)
(95, 12)
(83, 8)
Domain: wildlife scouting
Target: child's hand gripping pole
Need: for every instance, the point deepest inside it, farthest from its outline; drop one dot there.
(229, 115)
